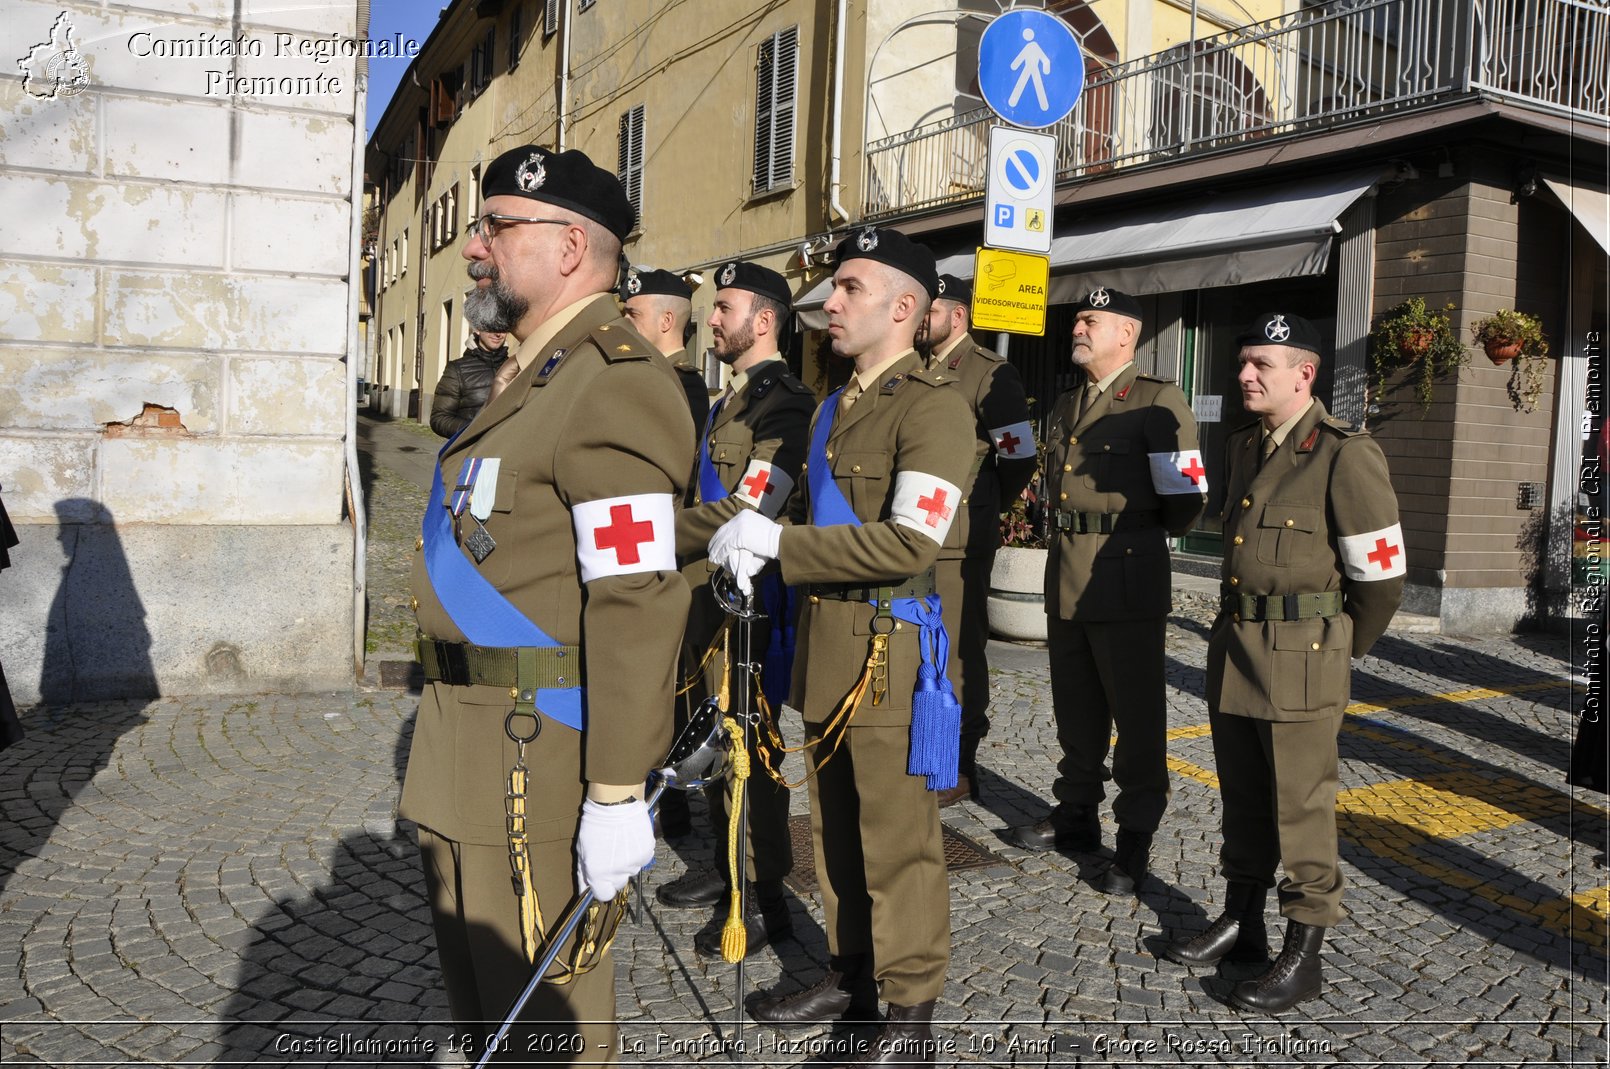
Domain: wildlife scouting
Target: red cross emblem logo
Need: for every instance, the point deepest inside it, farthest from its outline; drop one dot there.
(1382, 554)
(623, 534)
(935, 507)
(759, 484)
(1009, 443)
(1194, 471)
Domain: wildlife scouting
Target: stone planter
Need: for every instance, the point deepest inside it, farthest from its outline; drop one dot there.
(1016, 603)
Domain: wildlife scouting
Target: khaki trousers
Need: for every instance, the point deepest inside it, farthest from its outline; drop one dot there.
(477, 921)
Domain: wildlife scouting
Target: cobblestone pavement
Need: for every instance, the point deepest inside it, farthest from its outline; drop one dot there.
(223, 881)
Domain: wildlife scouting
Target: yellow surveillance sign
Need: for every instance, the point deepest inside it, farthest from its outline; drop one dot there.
(1009, 291)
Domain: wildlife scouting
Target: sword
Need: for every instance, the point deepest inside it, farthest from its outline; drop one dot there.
(697, 757)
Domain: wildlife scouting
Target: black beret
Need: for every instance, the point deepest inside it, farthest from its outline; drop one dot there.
(639, 283)
(1103, 299)
(567, 179)
(955, 289)
(895, 249)
(737, 275)
(1281, 328)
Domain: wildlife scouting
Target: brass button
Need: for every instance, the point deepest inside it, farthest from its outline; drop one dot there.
(815, 600)
(1067, 467)
(1106, 449)
(1316, 646)
(964, 501)
(1128, 552)
(1234, 581)
(830, 454)
(514, 692)
(1239, 540)
(897, 625)
(413, 603)
(1291, 523)
(1246, 502)
(723, 455)
(419, 543)
(1073, 440)
(1062, 497)
(855, 469)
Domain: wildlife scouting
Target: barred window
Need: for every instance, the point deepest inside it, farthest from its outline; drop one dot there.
(775, 87)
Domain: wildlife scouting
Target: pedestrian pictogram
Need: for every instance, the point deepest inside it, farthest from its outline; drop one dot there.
(1030, 68)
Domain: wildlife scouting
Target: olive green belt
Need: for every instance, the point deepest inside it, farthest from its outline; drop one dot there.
(527, 669)
(1101, 522)
(1255, 608)
(918, 586)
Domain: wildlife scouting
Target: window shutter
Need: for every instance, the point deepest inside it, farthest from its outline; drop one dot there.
(775, 86)
(550, 18)
(630, 155)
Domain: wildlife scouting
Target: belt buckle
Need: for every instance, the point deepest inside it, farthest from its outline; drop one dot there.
(454, 663)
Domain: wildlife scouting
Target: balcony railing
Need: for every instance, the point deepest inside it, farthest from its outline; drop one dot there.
(1317, 68)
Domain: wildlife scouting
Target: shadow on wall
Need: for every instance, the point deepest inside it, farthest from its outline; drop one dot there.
(97, 644)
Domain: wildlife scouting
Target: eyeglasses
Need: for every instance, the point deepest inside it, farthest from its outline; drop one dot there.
(487, 226)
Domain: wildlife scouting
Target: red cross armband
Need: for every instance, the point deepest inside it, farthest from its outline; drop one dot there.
(925, 503)
(1014, 441)
(1375, 555)
(764, 487)
(623, 535)
(1178, 473)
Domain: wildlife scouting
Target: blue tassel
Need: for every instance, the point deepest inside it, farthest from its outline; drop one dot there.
(936, 730)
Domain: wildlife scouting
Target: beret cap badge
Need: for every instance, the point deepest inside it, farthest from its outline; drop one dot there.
(1277, 329)
(530, 175)
(728, 274)
(1099, 298)
(868, 240)
(634, 285)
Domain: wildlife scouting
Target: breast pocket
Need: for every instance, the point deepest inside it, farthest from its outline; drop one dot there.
(1104, 462)
(863, 477)
(1286, 533)
(725, 455)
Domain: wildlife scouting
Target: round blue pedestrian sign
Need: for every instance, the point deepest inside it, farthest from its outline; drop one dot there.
(1030, 69)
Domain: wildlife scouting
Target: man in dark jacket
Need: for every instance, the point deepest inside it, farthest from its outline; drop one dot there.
(465, 382)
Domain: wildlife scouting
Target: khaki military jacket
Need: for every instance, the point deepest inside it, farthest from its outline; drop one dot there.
(594, 417)
(1319, 515)
(909, 426)
(757, 445)
(1004, 450)
(1134, 453)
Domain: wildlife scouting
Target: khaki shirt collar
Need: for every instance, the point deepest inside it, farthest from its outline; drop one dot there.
(872, 377)
(1279, 433)
(550, 328)
(950, 347)
(740, 379)
(1101, 387)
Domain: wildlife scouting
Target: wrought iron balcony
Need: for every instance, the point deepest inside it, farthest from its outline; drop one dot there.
(1321, 67)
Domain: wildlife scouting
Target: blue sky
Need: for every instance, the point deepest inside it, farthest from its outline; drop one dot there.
(413, 19)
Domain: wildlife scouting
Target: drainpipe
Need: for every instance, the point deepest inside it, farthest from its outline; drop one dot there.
(836, 209)
(564, 79)
(355, 509)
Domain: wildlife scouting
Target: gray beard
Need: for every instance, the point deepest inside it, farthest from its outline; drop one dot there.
(493, 308)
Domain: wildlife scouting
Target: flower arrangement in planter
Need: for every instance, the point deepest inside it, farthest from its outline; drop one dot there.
(1510, 335)
(1414, 339)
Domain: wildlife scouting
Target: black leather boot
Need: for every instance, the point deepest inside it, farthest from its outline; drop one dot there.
(1237, 935)
(847, 992)
(1067, 828)
(694, 889)
(906, 1038)
(1296, 976)
(1131, 861)
(766, 919)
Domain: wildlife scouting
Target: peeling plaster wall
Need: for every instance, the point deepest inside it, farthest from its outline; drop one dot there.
(178, 250)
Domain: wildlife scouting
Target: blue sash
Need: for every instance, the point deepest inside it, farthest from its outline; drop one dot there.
(936, 715)
(776, 598)
(482, 613)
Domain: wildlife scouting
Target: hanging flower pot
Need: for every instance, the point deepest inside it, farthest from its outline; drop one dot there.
(1511, 335)
(1415, 342)
(1502, 352)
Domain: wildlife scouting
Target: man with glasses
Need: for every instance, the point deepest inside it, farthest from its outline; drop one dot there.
(550, 610)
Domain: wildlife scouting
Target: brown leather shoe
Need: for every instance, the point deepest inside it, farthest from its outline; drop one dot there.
(906, 1038)
(847, 992)
(966, 787)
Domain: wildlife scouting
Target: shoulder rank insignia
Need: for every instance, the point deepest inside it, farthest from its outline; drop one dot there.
(1340, 426)
(956, 361)
(762, 387)
(889, 386)
(1123, 394)
(1307, 444)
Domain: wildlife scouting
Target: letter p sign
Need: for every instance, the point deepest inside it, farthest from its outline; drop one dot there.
(1003, 215)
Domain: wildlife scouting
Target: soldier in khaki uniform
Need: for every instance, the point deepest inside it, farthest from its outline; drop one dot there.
(749, 458)
(1003, 464)
(552, 519)
(659, 304)
(887, 459)
(1123, 473)
(1313, 571)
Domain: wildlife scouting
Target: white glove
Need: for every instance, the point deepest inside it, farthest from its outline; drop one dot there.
(744, 544)
(613, 844)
